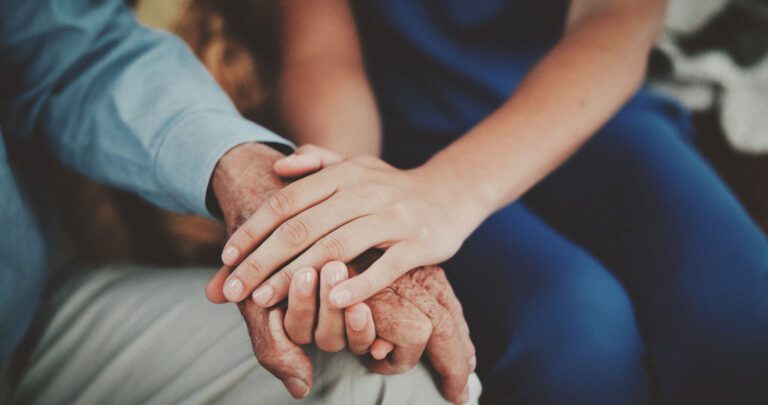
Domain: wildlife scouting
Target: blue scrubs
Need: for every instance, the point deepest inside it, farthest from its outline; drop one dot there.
(629, 275)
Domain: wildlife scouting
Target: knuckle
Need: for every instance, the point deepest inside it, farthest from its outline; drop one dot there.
(374, 191)
(301, 338)
(297, 333)
(423, 333)
(403, 366)
(248, 233)
(443, 330)
(358, 349)
(414, 334)
(305, 316)
(390, 271)
(265, 360)
(366, 285)
(280, 280)
(333, 247)
(279, 204)
(270, 362)
(294, 232)
(328, 344)
(253, 267)
(455, 373)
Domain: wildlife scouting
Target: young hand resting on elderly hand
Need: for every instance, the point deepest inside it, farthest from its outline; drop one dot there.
(417, 314)
(338, 213)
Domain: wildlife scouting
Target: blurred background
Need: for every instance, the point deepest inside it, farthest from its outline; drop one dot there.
(713, 57)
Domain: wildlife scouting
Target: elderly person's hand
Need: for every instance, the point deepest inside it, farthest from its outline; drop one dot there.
(448, 345)
(418, 310)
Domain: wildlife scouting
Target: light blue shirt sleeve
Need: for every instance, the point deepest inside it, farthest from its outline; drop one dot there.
(123, 104)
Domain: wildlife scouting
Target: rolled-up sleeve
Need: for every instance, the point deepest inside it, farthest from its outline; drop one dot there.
(123, 104)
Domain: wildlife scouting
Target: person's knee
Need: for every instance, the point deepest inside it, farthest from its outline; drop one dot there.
(578, 342)
(721, 313)
(710, 346)
(584, 314)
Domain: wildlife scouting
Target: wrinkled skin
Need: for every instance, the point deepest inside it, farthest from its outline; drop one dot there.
(418, 313)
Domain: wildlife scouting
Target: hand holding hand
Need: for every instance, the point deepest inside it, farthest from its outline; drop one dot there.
(331, 329)
(242, 182)
(418, 312)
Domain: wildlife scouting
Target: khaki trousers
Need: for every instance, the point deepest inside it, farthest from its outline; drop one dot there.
(137, 335)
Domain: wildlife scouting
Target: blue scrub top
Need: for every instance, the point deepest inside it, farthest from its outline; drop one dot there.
(440, 67)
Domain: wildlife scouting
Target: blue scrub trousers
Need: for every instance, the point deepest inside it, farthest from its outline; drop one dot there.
(629, 275)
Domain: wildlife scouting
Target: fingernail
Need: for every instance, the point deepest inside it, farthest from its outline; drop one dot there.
(298, 389)
(377, 354)
(229, 255)
(289, 158)
(263, 294)
(233, 289)
(338, 272)
(357, 320)
(306, 281)
(472, 363)
(341, 298)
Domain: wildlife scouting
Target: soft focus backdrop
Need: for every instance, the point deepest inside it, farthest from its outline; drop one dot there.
(713, 57)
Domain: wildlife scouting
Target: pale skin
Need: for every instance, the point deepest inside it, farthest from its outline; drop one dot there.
(418, 314)
(422, 216)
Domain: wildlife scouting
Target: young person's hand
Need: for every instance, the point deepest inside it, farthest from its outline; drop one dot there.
(340, 212)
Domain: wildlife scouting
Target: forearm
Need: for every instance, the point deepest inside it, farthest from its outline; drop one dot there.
(573, 91)
(325, 97)
(330, 105)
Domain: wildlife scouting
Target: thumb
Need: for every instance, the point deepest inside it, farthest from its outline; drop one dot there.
(307, 159)
(275, 351)
(213, 290)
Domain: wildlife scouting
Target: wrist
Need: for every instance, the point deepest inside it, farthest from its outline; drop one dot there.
(467, 202)
(243, 179)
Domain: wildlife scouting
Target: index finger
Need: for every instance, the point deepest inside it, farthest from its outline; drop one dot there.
(403, 325)
(435, 282)
(280, 206)
(445, 349)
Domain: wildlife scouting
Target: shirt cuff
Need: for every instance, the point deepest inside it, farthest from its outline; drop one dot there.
(192, 147)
